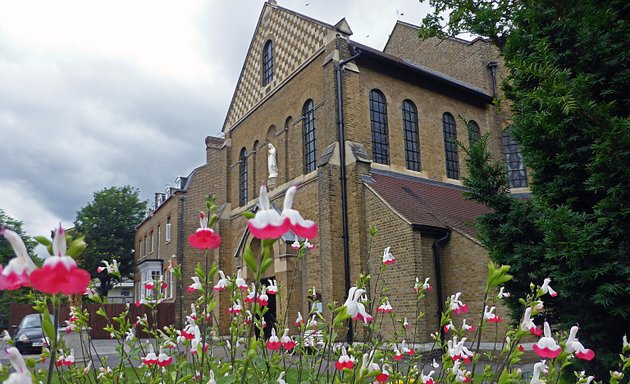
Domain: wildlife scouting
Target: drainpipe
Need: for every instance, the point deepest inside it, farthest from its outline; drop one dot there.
(492, 66)
(344, 192)
(438, 275)
(180, 258)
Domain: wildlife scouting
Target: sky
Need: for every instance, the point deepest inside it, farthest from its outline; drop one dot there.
(95, 94)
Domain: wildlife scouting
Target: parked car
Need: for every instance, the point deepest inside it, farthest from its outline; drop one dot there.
(29, 336)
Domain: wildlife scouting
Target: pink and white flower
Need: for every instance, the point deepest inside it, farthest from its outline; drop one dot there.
(458, 351)
(422, 286)
(267, 223)
(222, 283)
(427, 379)
(540, 367)
(405, 349)
(457, 305)
(110, 268)
(490, 316)
(272, 288)
(405, 323)
(195, 286)
(574, 346)
(466, 327)
(388, 257)
(164, 360)
(150, 359)
(287, 342)
(502, 294)
(547, 289)
(354, 308)
(16, 273)
(60, 273)
(386, 307)
(299, 320)
(240, 282)
(344, 361)
(450, 326)
(21, 375)
(397, 355)
(301, 227)
(547, 347)
(528, 324)
(204, 237)
(236, 308)
(263, 299)
(273, 344)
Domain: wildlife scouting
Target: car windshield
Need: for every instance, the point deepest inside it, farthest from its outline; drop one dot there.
(31, 322)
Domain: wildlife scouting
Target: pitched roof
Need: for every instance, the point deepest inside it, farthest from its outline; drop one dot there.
(426, 203)
(423, 71)
(296, 40)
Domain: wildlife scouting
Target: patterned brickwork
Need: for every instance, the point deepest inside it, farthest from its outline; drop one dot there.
(295, 39)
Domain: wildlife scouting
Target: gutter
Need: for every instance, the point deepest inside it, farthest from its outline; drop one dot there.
(180, 258)
(344, 191)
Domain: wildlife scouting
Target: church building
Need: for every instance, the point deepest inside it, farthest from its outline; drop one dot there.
(369, 137)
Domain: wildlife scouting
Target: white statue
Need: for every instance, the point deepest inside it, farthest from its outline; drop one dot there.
(272, 164)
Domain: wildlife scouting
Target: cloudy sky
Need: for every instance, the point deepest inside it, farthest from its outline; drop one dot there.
(101, 93)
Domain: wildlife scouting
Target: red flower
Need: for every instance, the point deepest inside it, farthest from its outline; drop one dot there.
(301, 227)
(16, 274)
(60, 273)
(267, 224)
(273, 344)
(204, 237)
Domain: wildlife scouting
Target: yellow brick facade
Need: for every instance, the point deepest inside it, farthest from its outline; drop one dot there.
(305, 58)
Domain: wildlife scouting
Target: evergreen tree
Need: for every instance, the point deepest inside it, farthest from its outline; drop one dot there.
(568, 91)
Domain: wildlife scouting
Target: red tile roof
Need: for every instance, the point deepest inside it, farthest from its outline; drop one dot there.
(426, 203)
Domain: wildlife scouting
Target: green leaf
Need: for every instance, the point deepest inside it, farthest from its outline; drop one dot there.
(266, 263)
(77, 247)
(249, 214)
(185, 378)
(101, 312)
(47, 325)
(248, 256)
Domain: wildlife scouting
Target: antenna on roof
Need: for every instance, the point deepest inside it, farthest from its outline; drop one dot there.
(398, 14)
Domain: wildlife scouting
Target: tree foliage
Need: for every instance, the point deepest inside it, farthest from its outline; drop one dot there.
(108, 224)
(568, 89)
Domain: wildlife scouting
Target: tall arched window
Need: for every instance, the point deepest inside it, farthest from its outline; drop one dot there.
(378, 118)
(411, 135)
(516, 171)
(308, 131)
(242, 177)
(450, 146)
(474, 132)
(267, 62)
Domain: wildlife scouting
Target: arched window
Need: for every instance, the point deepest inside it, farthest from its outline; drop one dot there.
(411, 135)
(378, 118)
(516, 172)
(308, 130)
(474, 133)
(242, 177)
(267, 62)
(450, 146)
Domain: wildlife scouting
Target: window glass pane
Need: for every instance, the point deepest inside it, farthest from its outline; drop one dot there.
(242, 175)
(474, 133)
(267, 63)
(450, 146)
(308, 128)
(378, 119)
(411, 136)
(516, 171)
